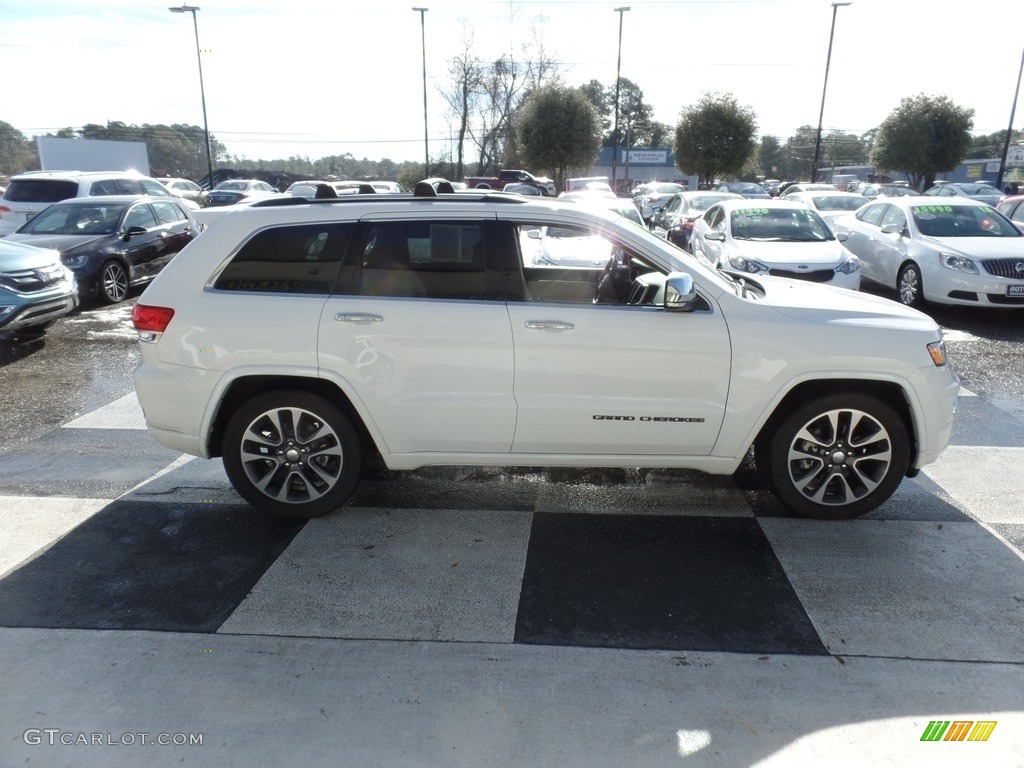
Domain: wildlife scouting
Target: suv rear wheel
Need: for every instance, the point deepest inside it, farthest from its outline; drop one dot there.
(292, 454)
(837, 457)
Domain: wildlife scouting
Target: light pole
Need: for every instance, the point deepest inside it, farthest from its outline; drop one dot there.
(618, 77)
(202, 92)
(1009, 131)
(426, 141)
(821, 114)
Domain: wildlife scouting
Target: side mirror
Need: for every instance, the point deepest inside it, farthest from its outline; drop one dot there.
(716, 236)
(135, 230)
(892, 229)
(842, 237)
(679, 293)
(533, 234)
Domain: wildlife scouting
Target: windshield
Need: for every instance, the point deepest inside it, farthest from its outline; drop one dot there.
(666, 189)
(792, 225)
(76, 219)
(962, 221)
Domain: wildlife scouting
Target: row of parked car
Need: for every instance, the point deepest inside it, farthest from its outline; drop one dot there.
(73, 236)
(946, 248)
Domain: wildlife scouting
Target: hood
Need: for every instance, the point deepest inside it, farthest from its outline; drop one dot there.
(16, 256)
(62, 243)
(980, 247)
(822, 303)
(827, 253)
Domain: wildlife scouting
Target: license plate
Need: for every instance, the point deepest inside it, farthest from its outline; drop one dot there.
(1015, 290)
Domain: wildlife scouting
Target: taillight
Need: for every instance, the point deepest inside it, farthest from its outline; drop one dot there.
(150, 321)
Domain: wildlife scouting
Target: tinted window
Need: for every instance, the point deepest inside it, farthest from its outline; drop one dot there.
(130, 187)
(425, 259)
(299, 259)
(105, 187)
(167, 212)
(140, 216)
(153, 188)
(40, 191)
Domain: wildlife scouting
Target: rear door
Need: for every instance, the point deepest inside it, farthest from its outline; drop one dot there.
(419, 330)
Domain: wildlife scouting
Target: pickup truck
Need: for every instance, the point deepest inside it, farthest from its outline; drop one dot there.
(545, 185)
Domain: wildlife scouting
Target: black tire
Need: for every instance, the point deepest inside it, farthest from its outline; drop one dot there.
(113, 282)
(909, 286)
(836, 458)
(292, 454)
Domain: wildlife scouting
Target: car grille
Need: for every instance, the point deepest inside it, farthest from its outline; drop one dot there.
(818, 276)
(31, 280)
(1011, 268)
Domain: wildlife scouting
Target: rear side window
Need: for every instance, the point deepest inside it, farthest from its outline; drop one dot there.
(40, 190)
(425, 259)
(154, 188)
(105, 187)
(167, 212)
(298, 259)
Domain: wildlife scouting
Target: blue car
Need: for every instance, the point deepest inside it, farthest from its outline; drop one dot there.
(35, 288)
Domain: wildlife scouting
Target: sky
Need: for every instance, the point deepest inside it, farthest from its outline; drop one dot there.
(312, 78)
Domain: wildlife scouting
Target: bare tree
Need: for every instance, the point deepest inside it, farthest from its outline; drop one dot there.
(464, 73)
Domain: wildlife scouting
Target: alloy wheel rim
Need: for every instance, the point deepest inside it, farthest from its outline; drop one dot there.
(291, 455)
(115, 282)
(839, 457)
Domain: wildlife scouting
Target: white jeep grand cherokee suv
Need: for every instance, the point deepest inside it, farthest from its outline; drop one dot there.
(295, 337)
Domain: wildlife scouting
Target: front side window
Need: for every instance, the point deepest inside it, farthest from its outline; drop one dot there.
(873, 214)
(140, 216)
(292, 259)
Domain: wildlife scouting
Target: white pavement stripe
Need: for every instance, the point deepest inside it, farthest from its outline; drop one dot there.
(30, 524)
(123, 413)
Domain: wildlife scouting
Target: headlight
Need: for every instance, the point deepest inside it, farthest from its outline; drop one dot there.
(849, 266)
(74, 262)
(958, 263)
(747, 265)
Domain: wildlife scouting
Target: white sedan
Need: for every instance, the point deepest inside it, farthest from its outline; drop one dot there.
(948, 251)
(774, 237)
(831, 205)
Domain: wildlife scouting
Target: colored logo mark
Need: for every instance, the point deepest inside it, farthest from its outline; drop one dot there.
(958, 730)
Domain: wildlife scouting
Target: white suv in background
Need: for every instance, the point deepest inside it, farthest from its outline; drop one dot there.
(295, 337)
(29, 193)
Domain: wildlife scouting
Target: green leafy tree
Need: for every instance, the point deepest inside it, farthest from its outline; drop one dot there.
(923, 136)
(17, 153)
(715, 137)
(798, 154)
(558, 129)
(991, 144)
(769, 157)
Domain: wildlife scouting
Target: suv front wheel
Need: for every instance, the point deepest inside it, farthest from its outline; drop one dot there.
(837, 457)
(292, 454)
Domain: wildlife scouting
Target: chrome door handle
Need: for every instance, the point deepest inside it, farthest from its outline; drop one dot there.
(549, 325)
(358, 317)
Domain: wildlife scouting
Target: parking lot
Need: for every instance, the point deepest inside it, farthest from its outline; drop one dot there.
(471, 617)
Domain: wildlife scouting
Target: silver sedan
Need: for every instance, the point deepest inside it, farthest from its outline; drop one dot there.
(947, 251)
